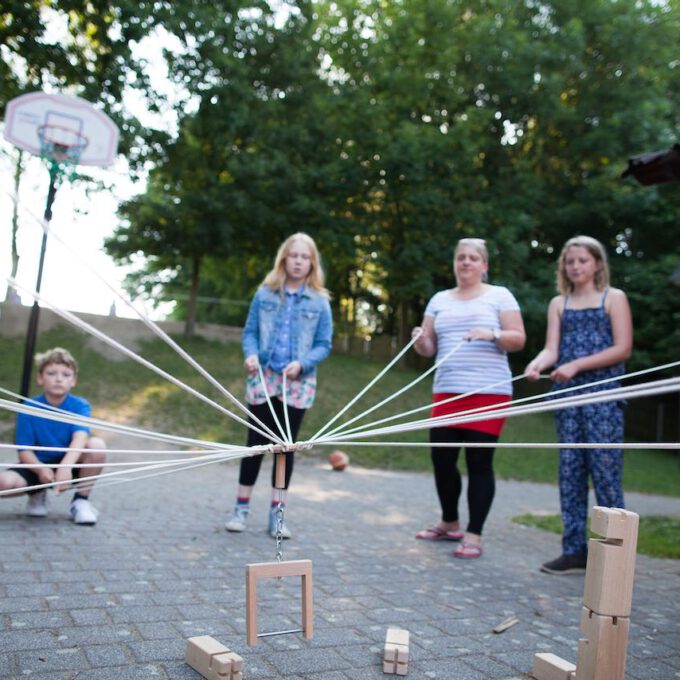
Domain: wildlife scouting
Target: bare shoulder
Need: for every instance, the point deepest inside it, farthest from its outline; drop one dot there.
(615, 298)
(556, 304)
(616, 294)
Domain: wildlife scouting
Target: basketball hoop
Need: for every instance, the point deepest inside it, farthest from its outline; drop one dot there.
(60, 145)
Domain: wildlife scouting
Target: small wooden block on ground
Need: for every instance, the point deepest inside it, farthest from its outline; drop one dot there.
(213, 660)
(395, 658)
(552, 667)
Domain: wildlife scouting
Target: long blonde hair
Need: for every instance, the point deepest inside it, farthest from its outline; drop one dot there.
(276, 279)
(596, 249)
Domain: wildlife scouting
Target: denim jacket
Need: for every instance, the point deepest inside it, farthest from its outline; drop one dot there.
(311, 328)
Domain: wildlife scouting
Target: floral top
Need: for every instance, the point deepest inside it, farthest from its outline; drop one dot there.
(300, 392)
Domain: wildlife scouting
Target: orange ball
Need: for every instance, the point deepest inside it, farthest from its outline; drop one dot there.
(338, 460)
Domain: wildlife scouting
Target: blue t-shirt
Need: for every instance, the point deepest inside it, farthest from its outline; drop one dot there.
(36, 431)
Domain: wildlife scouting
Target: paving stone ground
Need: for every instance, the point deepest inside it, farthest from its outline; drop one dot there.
(118, 601)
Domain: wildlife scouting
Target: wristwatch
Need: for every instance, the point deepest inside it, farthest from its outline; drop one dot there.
(496, 334)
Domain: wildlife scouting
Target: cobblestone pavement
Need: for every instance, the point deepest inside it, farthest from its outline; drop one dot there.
(117, 601)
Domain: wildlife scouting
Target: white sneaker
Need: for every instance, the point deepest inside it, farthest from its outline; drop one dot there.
(37, 504)
(83, 512)
(238, 520)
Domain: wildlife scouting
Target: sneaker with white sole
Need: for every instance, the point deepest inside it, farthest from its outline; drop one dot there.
(238, 520)
(83, 512)
(273, 520)
(37, 504)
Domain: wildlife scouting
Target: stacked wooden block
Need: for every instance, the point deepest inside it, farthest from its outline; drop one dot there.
(607, 599)
(395, 659)
(213, 660)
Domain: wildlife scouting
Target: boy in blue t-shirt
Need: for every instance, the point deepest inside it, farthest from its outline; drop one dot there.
(57, 375)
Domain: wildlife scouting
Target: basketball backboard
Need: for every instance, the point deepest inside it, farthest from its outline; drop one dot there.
(38, 120)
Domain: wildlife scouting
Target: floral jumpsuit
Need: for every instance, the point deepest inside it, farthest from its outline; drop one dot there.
(585, 332)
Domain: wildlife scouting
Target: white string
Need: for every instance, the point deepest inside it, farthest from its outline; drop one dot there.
(155, 328)
(282, 438)
(112, 482)
(84, 449)
(285, 408)
(365, 389)
(136, 357)
(72, 418)
(647, 389)
(432, 368)
(487, 388)
(512, 445)
(91, 479)
(431, 405)
(77, 466)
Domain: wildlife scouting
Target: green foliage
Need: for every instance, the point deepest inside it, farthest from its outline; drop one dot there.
(82, 47)
(387, 131)
(658, 535)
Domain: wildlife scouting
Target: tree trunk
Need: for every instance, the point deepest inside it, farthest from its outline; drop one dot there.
(11, 294)
(190, 326)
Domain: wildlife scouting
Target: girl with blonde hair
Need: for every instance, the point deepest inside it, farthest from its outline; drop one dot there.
(288, 332)
(589, 336)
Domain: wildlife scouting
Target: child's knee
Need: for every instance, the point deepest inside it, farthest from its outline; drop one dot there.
(11, 480)
(97, 454)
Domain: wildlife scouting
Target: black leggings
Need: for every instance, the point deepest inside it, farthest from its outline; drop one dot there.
(250, 466)
(481, 482)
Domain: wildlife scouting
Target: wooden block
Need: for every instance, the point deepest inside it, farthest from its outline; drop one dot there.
(504, 625)
(280, 470)
(614, 523)
(212, 659)
(257, 571)
(397, 645)
(602, 653)
(395, 668)
(552, 667)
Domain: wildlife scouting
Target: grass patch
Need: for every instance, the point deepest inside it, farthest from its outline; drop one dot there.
(124, 391)
(658, 535)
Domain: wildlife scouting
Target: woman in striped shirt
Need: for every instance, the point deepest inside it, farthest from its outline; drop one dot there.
(476, 325)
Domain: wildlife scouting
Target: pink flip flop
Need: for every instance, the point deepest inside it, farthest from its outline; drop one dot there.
(437, 534)
(468, 551)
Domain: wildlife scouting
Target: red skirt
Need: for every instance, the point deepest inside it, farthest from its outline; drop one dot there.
(494, 426)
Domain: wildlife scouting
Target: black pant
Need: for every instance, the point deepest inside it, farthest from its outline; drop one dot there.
(481, 482)
(250, 466)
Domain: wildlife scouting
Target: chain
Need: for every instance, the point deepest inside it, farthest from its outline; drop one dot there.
(279, 529)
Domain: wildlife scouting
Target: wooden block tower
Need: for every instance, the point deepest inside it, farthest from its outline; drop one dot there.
(607, 599)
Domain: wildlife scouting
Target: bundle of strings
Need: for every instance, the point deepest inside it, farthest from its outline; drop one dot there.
(190, 453)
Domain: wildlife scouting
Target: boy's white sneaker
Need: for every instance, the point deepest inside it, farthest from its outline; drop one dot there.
(37, 504)
(83, 512)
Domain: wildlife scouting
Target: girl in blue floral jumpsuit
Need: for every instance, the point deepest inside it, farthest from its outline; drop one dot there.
(589, 337)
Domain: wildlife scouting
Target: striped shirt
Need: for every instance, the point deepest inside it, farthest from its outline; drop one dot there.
(477, 365)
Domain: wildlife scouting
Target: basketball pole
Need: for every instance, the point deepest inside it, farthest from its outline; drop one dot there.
(34, 317)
